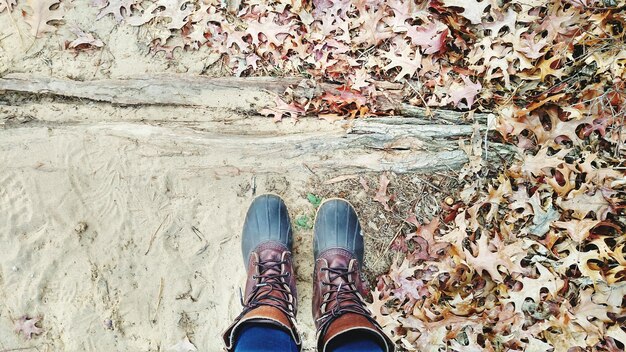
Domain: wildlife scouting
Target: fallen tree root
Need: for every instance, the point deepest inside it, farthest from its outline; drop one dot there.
(244, 93)
(364, 148)
(422, 143)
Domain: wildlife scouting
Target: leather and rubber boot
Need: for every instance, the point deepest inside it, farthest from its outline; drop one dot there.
(338, 306)
(270, 294)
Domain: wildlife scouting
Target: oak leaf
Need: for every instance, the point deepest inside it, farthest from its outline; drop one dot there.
(536, 345)
(587, 308)
(502, 20)
(177, 12)
(582, 203)
(532, 48)
(468, 91)
(359, 79)
(381, 194)
(542, 219)
(406, 286)
(617, 333)
(427, 232)
(28, 326)
(550, 67)
(578, 230)
(7, 4)
(377, 307)
(532, 287)
(536, 165)
(42, 14)
(408, 60)
(118, 8)
(473, 10)
(487, 260)
(281, 109)
(372, 30)
(84, 40)
(580, 259)
(431, 38)
(403, 11)
(563, 181)
(272, 31)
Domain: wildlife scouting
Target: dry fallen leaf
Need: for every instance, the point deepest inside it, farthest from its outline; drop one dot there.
(473, 10)
(7, 4)
(340, 179)
(43, 12)
(176, 12)
(582, 203)
(381, 195)
(118, 8)
(28, 326)
(281, 109)
(183, 345)
(542, 219)
(83, 41)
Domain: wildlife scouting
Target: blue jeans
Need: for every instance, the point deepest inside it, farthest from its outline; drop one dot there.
(258, 337)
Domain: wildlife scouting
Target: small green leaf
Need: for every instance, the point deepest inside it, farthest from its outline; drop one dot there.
(313, 199)
(304, 222)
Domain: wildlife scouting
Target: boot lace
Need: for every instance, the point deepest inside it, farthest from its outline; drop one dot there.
(344, 295)
(271, 290)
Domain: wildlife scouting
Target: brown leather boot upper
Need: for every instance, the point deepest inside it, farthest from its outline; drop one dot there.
(338, 305)
(270, 294)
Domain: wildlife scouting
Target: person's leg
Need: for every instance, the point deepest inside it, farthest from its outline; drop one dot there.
(270, 299)
(343, 322)
(258, 337)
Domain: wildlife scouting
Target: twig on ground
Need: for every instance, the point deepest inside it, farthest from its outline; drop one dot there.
(20, 349)
(198, 233)
(6, 36)
(159, 298)
(428, 111)
(17, 29)
(382, 255)
(428, 183)
(154, 236)
(308, 168)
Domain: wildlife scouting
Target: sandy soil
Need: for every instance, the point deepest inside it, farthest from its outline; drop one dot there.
(134, 223)
(125, 52)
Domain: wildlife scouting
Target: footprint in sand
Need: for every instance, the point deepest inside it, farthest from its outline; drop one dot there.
(16, 208)
(97, 179)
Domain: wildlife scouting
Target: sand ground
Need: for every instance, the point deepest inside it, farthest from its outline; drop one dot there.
(119, 222)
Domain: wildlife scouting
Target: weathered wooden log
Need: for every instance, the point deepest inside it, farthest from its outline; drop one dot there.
(410, 126)
(246, 94)
(234, 93)
(190, 111)
(451, 116)
(370, 145)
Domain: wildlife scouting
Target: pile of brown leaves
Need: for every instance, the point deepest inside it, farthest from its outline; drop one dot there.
(514, 55)
(531, 258)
